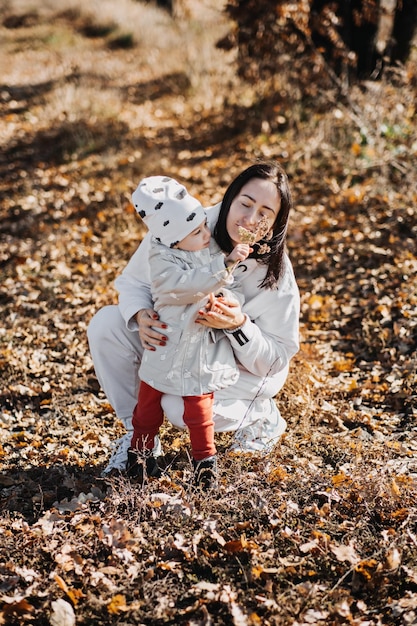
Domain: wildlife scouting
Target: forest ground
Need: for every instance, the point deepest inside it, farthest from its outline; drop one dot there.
(321, 531)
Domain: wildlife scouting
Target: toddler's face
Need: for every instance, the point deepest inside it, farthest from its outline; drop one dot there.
(198, 239)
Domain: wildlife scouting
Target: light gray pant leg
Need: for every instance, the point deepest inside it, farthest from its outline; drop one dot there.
(116, 353)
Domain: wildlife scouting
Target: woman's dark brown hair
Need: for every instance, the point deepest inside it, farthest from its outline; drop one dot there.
(274, 259)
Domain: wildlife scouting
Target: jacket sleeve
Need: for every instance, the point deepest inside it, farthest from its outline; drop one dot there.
(174, 285)
(133, 285)
(232, 293)
(265, 344)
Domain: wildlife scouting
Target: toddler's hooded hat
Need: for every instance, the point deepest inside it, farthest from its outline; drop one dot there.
(167, 209)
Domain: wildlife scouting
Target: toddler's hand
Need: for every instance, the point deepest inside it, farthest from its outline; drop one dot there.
(239, 253)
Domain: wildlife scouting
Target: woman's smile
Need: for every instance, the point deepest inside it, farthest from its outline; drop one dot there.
(257, 203)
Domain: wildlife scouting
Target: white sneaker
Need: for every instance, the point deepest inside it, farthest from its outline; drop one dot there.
(258, 439)
(120, 447)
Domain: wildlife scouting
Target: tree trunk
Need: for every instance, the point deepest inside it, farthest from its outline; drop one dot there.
(405, 23)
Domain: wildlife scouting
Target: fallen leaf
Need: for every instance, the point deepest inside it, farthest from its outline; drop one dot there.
(117, 604)
(240, 545)
(62, 613)
(16, 606)
(345, 553)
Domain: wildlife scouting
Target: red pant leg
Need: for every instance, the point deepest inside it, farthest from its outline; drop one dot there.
(198, 416)
(148, 417)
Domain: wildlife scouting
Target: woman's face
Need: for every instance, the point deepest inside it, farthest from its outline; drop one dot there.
(258, 200)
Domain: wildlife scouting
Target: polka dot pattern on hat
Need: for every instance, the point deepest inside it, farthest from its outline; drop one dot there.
(167, 209)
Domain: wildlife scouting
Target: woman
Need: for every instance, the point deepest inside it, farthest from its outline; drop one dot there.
(263, 334)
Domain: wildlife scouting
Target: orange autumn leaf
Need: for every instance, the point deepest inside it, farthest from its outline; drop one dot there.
(321, 536)
(396, 491)
(343, 365)
(20, 607)
(340, 478)
(366, 568)
(256, 571)
(278, 474)
(61, 583)
(315, 301)
(73, 594)
(400, 514)
(240, 545)
(130, 209)
(117, 604)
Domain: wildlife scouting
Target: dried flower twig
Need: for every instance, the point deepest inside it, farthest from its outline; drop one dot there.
(251, 237)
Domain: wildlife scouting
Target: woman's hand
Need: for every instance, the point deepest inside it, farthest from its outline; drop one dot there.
(148, 321)
(221, 313)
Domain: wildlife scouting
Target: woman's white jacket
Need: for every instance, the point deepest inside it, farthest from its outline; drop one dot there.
(263, 347)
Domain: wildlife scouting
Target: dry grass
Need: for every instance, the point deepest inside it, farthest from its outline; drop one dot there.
(322, 531)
